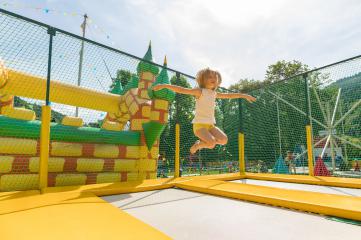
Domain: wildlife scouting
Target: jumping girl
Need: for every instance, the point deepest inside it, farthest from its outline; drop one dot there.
(204, 121)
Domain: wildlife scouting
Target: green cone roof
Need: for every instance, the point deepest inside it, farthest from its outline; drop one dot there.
(146, 66)
(117, 88)
(152, 131)
(162, 78)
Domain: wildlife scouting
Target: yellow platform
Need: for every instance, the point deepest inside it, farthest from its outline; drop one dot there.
(306, 179)
(76, 212)
(67, 215)
(327, 204)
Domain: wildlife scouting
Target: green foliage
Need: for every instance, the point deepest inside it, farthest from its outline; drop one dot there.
(123, 76)
(55, 116)
(284, 69)
(246, 85)
(122, 82)
(184, 117)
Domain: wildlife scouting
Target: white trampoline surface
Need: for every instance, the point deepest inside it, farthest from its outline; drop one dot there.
(305, 187)
(188, 215)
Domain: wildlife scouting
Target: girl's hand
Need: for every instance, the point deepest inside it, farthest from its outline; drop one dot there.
(250, 98)
(158, 87)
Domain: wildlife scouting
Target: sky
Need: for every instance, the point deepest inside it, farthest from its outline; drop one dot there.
(238, 38)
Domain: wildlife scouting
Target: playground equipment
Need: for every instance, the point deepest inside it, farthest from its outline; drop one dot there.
(83, 155)
(68, 162)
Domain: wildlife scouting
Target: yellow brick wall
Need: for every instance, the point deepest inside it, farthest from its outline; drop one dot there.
(112, 126)
(154, 152)
(154, 115)
(153, 175)
(136, 124)
(106, 151)
(121, 165)
(133, 108)
(6, 163)
(66, 149)
(68, 179)
(17, 146)
(89, 165)
(123, 107)
(147, 164)
(147, 76)
(144, 94)
(54, 164)
(143, 151)
(146, 111)
(132, 152)
(19, 113)
(161, 104)
(19, 182)
(108, 177)
(72, 121)
(132, 176)
(128, 99)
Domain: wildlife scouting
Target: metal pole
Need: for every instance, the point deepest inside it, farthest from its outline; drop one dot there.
(309, 130)
(83, 26)
(45, 123)
(343, 133)
(177, 134)
(177, 148)
(279, 128)
(241, 156)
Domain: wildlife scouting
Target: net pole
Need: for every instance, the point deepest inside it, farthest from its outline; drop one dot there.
(45, 122)
(309, 137)
(241, 158)
(177, 136)
(81, 55)
(279, 128)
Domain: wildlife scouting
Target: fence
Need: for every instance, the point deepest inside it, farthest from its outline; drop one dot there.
(98, 120)
(327, 102)
(99, 123)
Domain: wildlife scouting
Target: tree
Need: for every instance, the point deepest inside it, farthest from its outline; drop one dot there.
(284, 69)
(184, 117)
(246, 85)
(268, 118)
(123, 76)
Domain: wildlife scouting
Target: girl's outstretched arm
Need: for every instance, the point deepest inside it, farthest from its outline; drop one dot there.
(249, 98)
(188, 91)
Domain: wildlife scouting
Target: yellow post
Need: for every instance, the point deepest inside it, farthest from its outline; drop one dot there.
(44, 146)
(309, 150)
(242, 166)
(176, 167)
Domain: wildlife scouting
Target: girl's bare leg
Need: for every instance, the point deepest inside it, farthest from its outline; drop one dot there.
(206, 140)
(219, 135)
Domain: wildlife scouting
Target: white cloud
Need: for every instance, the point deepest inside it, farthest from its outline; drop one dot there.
(239, 38)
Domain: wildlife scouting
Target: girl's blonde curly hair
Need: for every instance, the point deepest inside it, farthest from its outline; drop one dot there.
(204, 74)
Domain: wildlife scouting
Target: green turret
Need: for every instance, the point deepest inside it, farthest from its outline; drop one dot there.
(116, 88)
(146, 66)
(159, 115)
(162, 78)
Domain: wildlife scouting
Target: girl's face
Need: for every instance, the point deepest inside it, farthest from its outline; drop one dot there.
(211, 82)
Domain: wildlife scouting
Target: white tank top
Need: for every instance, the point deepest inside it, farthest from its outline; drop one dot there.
(205, 106)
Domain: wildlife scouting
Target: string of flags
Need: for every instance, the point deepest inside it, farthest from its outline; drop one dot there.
(90, 21)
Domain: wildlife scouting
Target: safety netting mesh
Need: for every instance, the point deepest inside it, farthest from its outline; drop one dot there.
(335, 109)
(220, 159)
(326, 99)
(108, 126)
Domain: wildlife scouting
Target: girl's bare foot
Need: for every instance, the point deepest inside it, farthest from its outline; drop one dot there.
(194, 148)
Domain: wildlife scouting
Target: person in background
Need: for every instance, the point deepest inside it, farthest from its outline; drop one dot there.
(290, 162)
